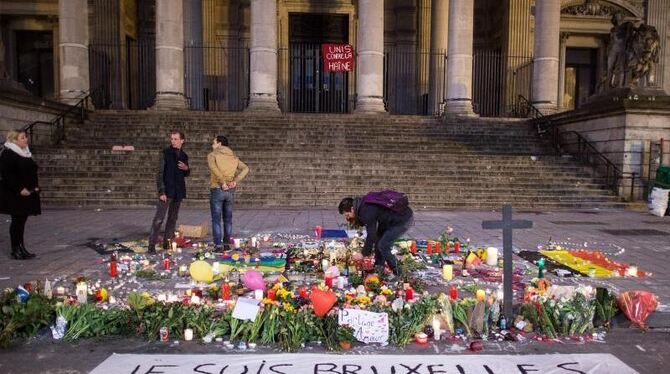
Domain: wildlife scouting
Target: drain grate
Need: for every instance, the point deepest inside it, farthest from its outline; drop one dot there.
(634, 232)
(578, 223)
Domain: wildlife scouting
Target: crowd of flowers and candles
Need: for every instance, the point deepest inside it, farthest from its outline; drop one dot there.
(298, 287)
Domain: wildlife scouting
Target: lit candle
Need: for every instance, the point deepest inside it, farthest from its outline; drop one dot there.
(631, 271)
(258, 294)
(492, 256)
(481, 295)
(236, 243)
(174, 246)
(254, 241)
(447, 272)
(437, 331)
(188, 335)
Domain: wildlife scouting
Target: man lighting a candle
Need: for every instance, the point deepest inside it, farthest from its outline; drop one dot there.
(172, 169)
(386, 216)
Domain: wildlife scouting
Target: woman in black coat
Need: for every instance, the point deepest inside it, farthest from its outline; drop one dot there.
(19, 189)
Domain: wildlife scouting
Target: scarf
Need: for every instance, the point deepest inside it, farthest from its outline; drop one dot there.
(23, 152)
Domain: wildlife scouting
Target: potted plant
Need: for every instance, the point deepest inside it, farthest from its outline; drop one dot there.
(345, 335)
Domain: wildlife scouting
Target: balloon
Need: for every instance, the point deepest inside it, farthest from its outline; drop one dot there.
(253, 280)
(322, 301)
(201, 271)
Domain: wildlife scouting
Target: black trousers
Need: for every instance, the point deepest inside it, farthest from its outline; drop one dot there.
(171, 206)
(17, 229)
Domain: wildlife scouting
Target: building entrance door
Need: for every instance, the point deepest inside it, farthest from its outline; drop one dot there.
(311, 89)
(580, 76)
(35, 62)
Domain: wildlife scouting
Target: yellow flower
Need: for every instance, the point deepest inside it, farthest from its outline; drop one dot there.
(386, 291)
(363, 300)
(277, 286)
(288, 307)
(267, 301)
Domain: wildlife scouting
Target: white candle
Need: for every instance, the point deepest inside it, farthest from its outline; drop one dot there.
(340, 282)
(188, 334)
(258, 294)
(492, 256)
(254, 241)
(215, 267)
(447, 272)
(631, 271)
(236, 243)
(82, 292)
(174, 246)
(325, 263)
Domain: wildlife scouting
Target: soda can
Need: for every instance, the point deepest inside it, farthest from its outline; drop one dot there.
(165, 334)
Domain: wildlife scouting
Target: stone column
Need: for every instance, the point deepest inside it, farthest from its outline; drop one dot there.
(459, 58)
(438, 48)
(370, 57)
(658, 15)
(263, 56)
(546, 51)
(561, 72)
(193, 64)
(73, 44)
(170, 55)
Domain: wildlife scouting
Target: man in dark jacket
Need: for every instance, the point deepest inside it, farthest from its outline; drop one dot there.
(172, 169)
(383, 227)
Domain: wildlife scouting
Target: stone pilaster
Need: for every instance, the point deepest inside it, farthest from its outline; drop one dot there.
(170, 55)
(194, 65)
(459, 58)
(658, 15)
(370, 57)
(546, 55)
(438, 49)
(263, 56)
(73, 45)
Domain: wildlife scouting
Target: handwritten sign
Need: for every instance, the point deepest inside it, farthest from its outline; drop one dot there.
(337, 57)
(246, 309)
(368, 327)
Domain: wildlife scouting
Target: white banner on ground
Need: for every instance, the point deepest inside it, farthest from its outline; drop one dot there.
(298, 363)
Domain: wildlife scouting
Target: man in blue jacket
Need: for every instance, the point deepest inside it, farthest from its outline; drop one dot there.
(383, 226)
(172, 169)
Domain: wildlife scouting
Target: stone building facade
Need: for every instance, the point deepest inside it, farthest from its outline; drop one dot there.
(461, 57)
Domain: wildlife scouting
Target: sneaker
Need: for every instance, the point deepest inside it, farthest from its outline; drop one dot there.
(151, 249)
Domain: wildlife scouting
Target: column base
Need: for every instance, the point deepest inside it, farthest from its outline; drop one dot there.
(71, 97)
(263, 103)
(371, 105)
(546, 108)
(459, 108)
(169, 101)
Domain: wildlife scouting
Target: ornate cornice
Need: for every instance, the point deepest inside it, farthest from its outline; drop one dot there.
(603, 8)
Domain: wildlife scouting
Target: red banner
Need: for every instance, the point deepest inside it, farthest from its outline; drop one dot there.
(337, 57)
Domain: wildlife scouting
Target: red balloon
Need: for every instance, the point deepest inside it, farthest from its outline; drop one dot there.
(323, 301)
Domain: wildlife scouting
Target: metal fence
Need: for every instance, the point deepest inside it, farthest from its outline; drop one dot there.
(305, 87)
(498, 79)
(216, 78)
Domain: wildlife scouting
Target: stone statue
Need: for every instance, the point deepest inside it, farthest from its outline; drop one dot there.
(644, 55)
(632, 52)
(616, 55)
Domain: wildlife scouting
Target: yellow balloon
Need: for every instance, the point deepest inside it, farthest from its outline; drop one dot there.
(201, 271)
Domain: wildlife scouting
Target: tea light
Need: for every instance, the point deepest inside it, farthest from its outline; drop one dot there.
(492, 256)
(481, 295)
(183, 270)
(421, 338)
(60, 290)
(447, 272)
(188, 335)
(631, 271)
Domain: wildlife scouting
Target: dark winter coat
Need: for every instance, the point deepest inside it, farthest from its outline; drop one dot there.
(170, 179)
(18, 173)
(377, 219)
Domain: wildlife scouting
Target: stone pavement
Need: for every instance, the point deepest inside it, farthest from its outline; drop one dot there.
(58, 237)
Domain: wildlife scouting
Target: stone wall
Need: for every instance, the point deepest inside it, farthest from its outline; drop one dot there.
(626, 131)
(15, 115)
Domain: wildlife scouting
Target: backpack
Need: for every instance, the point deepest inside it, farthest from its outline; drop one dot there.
(390, 199)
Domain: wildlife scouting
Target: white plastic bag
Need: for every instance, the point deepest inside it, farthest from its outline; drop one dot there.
(659, 201)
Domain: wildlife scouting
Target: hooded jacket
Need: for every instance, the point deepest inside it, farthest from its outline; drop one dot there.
(225, 167)
(377, 219)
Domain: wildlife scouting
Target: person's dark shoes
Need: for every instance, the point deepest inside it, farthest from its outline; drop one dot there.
(151, 249)
(218, 248)
(226, 247)
(16, 253)
(166, 245)
(24, 251)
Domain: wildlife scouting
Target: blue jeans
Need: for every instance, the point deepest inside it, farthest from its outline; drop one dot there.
(221, 204)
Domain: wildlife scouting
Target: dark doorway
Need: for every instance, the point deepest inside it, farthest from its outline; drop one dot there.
(580, 76)
(35, 61)
(310, 88)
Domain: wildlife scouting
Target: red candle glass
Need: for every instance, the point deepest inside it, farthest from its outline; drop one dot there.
(453, 293)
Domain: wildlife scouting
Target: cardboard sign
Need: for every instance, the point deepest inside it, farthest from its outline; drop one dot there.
(337, 57)
(368, 327)
(246, 309)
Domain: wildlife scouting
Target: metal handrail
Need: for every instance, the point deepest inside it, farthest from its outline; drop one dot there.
(57, 125)
(586, 151)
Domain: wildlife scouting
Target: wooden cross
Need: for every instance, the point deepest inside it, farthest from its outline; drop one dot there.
(507, 225)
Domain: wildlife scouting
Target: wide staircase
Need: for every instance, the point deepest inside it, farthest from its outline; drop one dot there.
(313, 160)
